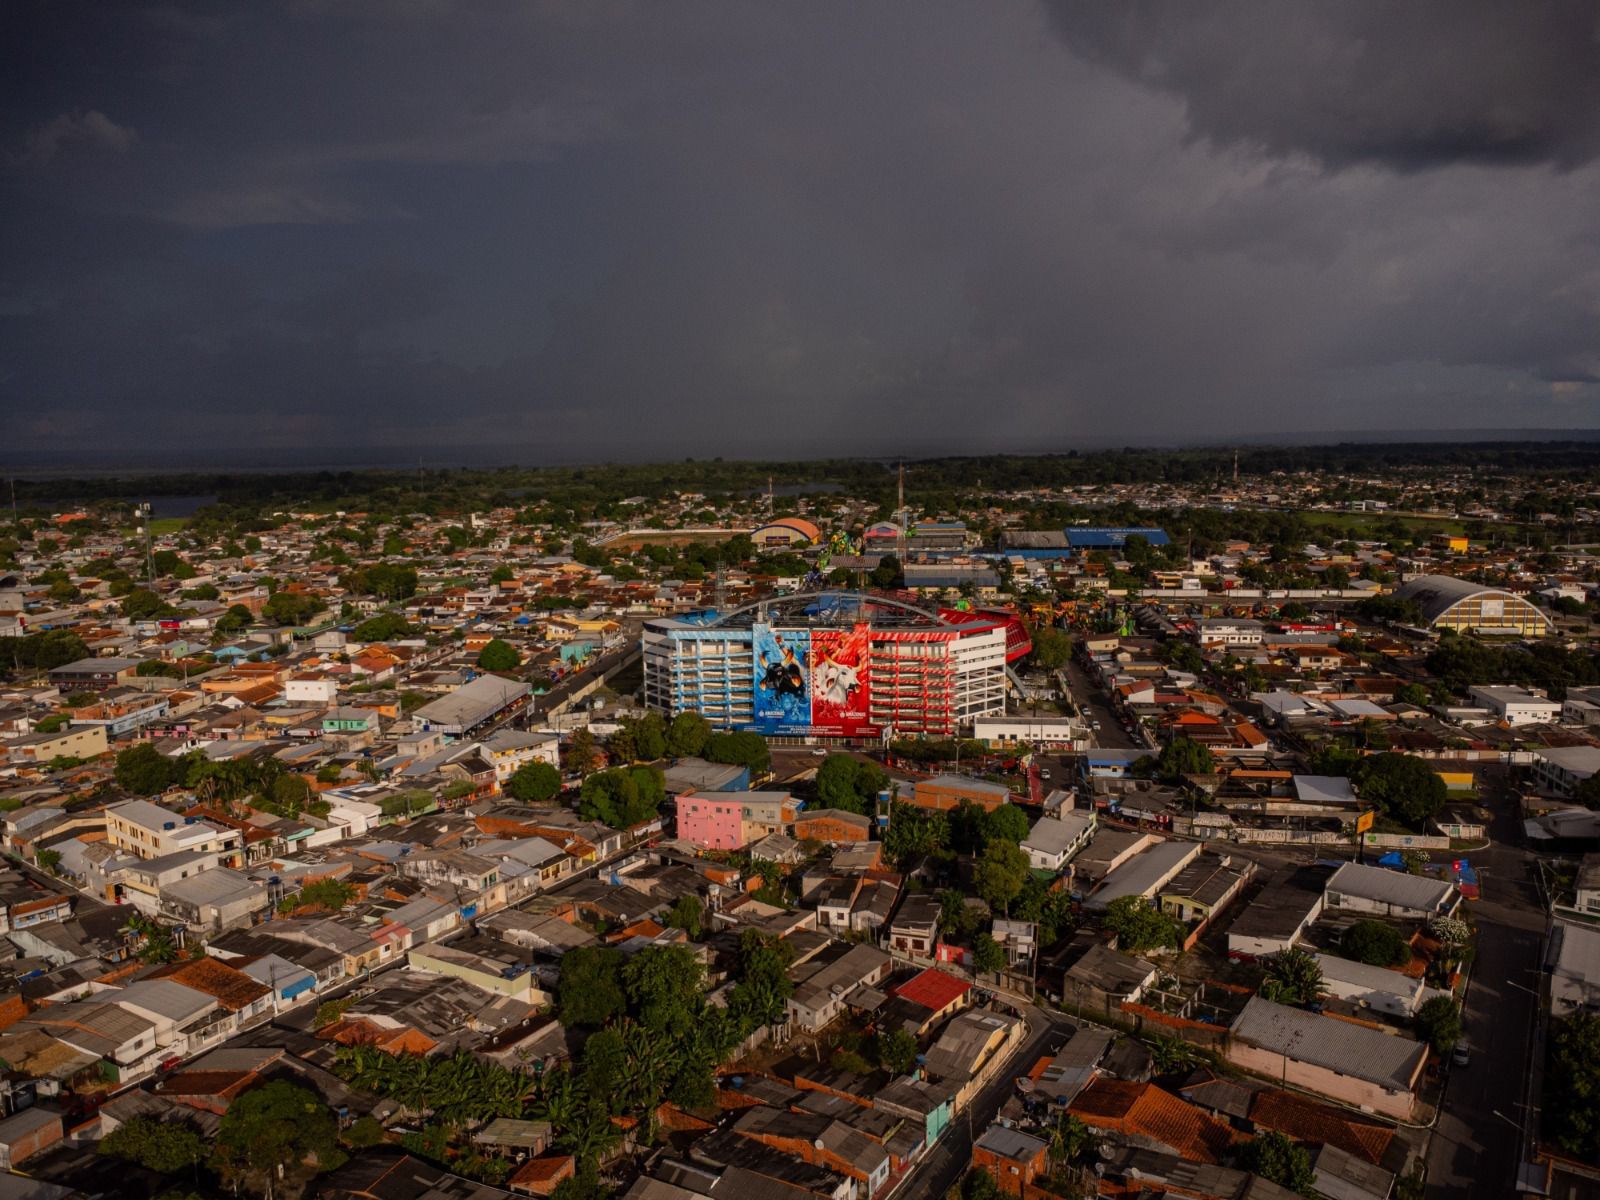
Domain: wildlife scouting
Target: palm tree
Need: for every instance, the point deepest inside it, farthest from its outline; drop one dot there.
(1293, 976)
(1172, 1055)
(1071, 1140)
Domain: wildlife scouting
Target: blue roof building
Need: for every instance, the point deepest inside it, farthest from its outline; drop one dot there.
(1087, 537)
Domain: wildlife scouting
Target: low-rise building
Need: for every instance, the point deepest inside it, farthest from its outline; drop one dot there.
(945, 792)
(1356, 887)
(1377, 988)
(1013, 1158)
(147, 830)
(1053, 840)
(821, 990)
(915, 928)
(1517, 706)
(1339, 1059)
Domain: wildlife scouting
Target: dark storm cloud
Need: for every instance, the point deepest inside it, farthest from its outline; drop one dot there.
(663, 228)
(1410, 85)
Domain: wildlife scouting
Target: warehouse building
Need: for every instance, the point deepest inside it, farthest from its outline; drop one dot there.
(470, 706)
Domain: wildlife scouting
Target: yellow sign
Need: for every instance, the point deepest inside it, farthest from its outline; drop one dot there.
(1364, 821)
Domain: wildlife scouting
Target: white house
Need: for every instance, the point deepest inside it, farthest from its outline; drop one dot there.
(1517, 706)
(1560, 769)
(1377, 988)
(1053, 841)
(1355, 887)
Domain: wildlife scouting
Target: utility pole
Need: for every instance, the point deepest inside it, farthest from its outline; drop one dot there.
(149, 552)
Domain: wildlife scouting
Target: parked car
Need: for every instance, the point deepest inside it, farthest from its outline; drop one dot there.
(1462, 1055)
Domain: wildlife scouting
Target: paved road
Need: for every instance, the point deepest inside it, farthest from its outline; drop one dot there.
(1474, 1151)
(936, 1174)
(1092, 703)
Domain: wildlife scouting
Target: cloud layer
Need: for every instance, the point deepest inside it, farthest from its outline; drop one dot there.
(659, 229)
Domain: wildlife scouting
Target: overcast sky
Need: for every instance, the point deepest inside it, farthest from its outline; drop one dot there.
(604, 230)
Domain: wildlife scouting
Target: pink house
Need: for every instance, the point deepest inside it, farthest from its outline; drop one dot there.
(715, 822)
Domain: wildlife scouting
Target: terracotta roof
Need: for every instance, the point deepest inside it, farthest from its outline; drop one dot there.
(933, 989)
(233, 989)
(12, 1009)
(1146, 1110)
(357, 1031)
(539, 1176)
(1307, 1121)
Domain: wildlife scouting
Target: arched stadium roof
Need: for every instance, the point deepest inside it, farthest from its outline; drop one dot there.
(799, 524)
(1437, 595)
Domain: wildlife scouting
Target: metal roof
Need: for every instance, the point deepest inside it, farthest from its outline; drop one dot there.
(1390, 1060)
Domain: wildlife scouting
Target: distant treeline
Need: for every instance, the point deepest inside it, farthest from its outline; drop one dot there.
(868, 479)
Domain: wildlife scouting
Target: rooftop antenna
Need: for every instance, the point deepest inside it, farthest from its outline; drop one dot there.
(901, 517)
(769, 496)
(1235, 468)
(149, 552)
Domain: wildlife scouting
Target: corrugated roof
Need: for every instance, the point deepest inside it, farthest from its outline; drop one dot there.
(933, 989)
(1354, 1050)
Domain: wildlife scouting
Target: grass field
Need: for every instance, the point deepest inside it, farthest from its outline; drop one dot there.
(1415, 522)
(163, 525)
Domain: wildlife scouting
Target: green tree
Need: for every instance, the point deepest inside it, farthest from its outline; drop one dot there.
(1439, 1023)
(1375, 943)
(1276, 1159)
(589, 988)
(687, 735)
(980, 1185)
(166, 1147)
(46, 651)
(1139, 925)
(1000, 874)
(236, 620)
(741, 749)
(1293, 976)
(1184, 756)
(1572, 1084)
(384, 627)
(291, 793)
(764, 985)
(581, 752)
(1006, 823)
(686, 914)
(622, 796)
(914, 833)
(848, 783)
(1587, 793)
(275, 1128)
(664, 986)
(141, 604)
(145, 771)
(331, 894)
(48, 860)
(1051, 648)
(1412, 693)
(896, 1050)
(291, 608)
(888, 573)
(988, 956)
(534, 783)
(499, 655)
(1403, 787)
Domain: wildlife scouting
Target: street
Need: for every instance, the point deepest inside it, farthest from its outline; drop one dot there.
(952, 1155)
(1477, 1144)
(1091, 702)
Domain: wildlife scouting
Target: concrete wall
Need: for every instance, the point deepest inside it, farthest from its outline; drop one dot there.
(1359, 1092)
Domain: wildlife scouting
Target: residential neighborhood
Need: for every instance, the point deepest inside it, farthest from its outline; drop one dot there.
(686, 844)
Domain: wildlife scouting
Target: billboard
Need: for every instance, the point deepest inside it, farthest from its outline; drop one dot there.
(782, 679)
(839, 684)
